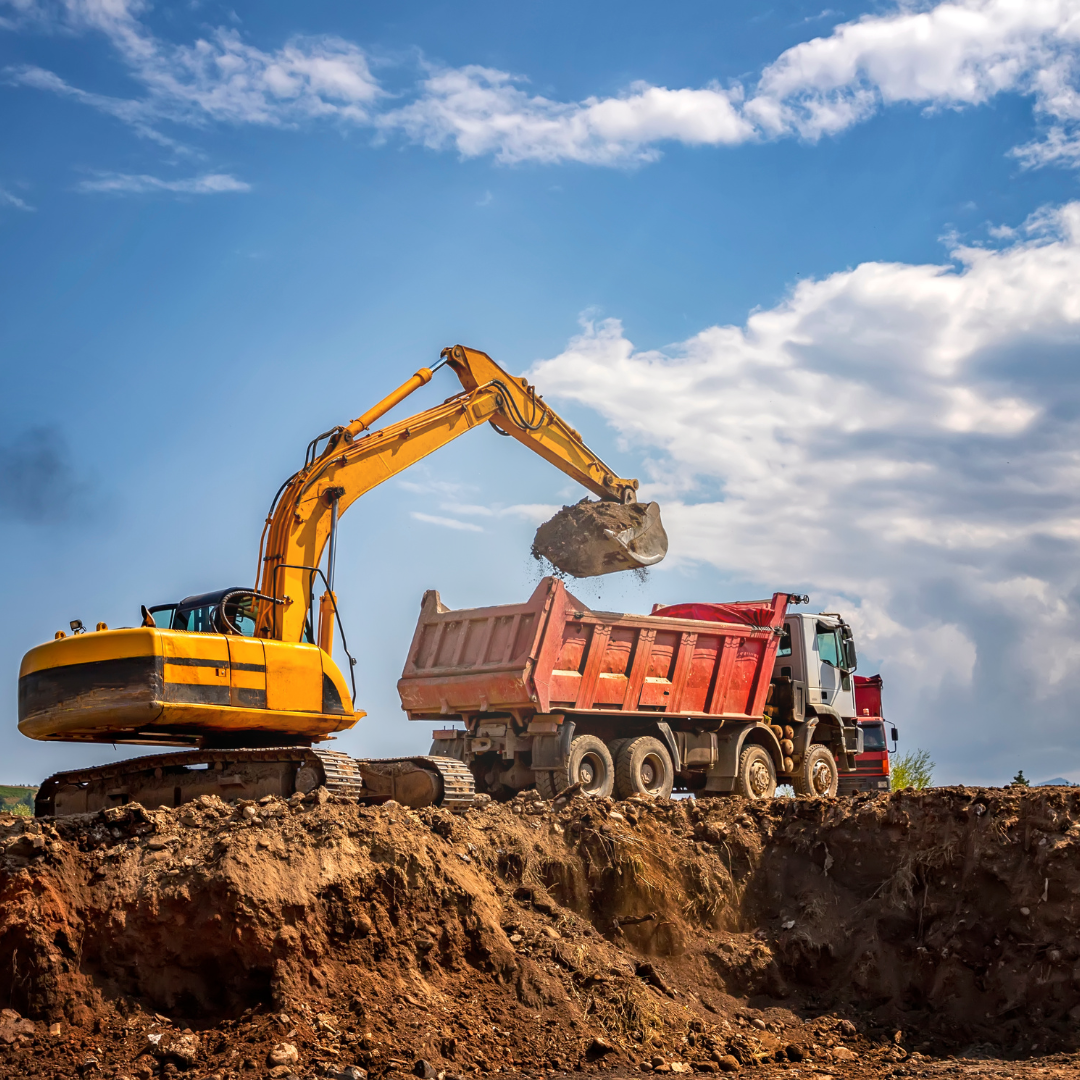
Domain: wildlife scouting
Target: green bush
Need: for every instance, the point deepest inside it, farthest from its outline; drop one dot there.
(914, 770)
(17, 800)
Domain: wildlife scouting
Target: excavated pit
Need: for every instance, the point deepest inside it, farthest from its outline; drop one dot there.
(864, 937)
(580, 540)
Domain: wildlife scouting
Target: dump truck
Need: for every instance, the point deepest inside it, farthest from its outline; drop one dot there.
(243, 679)
(872, 769)
(702, 697)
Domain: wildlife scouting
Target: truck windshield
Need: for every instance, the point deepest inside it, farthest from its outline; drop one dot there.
(873, 736)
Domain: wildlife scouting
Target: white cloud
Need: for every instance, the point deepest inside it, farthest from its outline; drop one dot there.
(949, 55)
(219, 77)
(478, 110)
(955, 54)
(537, 512)
(903, 442)
(7, 199)
(127, 184)
(445, 522)
(959, 53)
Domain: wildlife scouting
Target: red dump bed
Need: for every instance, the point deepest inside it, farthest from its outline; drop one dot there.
(552, 654)
(868, 695)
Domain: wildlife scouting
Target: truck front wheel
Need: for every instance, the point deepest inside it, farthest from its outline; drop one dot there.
(588, 763)
(643, 767)
(756, 777)
(817, 775)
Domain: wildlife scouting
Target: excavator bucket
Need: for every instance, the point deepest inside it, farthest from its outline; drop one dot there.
(593, 538)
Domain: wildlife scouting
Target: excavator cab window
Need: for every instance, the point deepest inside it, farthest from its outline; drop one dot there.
(202, 614)
(163, 616)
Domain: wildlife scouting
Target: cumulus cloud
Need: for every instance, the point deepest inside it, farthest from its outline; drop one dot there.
(903, 442)
(478, 110)
(954, 54)
(127, 184)
(959, 53)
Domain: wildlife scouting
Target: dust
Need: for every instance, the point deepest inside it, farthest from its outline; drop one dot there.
(858, 937)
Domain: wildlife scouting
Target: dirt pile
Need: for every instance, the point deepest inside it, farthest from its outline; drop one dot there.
(593, 538)
(861, 937)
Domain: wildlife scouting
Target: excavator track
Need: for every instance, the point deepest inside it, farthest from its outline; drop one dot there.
(173, 779)
(420, 781)
(342, 776)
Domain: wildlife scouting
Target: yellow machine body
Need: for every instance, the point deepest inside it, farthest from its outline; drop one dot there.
(271, 683)
(180, 688)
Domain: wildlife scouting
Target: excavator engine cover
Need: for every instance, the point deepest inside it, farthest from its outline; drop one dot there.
(592, 538)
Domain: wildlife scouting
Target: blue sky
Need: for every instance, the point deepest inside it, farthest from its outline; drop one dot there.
(810, 274)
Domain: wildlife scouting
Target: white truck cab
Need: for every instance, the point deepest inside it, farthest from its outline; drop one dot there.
(817, 651)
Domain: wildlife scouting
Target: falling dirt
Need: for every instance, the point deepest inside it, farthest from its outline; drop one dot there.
(581, 540)
(866, 937)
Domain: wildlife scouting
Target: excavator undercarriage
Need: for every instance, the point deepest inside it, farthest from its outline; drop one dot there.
(173, 779)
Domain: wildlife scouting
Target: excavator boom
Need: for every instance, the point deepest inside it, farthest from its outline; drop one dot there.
(356, 459)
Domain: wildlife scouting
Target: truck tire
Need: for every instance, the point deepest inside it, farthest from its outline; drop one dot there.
(817, 775)
(644, 767)
(589, 763)
(756, 775)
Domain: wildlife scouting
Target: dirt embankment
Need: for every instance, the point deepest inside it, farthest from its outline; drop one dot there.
(863, 937)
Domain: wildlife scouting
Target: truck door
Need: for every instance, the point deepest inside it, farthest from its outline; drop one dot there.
(835, 682)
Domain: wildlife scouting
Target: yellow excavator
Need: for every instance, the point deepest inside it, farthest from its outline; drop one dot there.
(244, 678)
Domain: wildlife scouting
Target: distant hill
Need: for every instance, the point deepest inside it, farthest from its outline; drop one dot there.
(1058, 781)
(18, 799)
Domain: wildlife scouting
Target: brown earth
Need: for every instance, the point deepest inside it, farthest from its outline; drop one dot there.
(576, 542)
(873, 936)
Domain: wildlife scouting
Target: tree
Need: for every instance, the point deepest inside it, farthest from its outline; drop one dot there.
(1020, 780)
(914, 770)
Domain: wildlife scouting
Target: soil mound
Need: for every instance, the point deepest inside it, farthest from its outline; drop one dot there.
(593, 538)
(860, 937)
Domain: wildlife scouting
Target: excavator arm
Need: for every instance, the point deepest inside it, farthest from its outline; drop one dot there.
(357, 459)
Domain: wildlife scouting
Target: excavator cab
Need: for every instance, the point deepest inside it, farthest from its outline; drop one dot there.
(205, 613)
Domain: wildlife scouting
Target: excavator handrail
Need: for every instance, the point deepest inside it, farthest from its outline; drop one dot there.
(356, 459)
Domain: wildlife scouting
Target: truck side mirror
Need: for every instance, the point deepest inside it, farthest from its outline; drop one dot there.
(851, 661)
(895, 736)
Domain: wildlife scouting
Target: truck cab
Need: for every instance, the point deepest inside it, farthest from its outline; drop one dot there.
(817, 653)
(872, 765)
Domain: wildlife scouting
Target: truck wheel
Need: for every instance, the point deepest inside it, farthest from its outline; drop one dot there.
(756, 776)
(644, 767)
(589, 764)
(817, 775)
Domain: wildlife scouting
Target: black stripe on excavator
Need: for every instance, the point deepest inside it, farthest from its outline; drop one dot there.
(196, 694)
(198, 661)
(52, 687)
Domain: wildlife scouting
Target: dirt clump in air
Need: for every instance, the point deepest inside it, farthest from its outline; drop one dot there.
(862, 937)
(579, 539)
